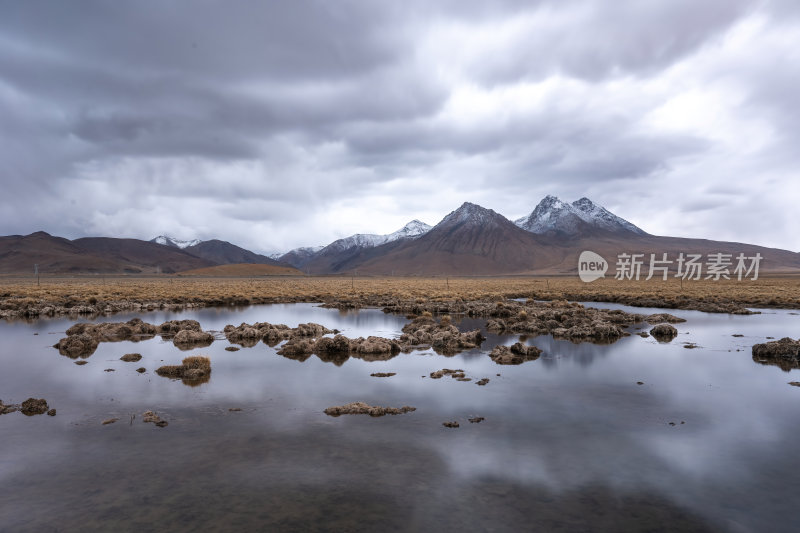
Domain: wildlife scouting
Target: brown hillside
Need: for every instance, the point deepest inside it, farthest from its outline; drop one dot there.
(135, 255)
(56, 255)
(774, 260)
(471, 240)
(243, 270)
(224, 253)
(18, 254)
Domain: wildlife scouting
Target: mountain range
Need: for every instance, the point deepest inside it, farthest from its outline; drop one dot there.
(19, 254)
(471, 240)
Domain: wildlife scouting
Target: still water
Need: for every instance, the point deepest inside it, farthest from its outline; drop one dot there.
(570, 442)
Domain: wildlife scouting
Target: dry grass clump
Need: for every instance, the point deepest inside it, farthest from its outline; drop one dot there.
(150, 416)
(193, 370)
(783, 353)
(34, 406)
(30, 407)
(663, 317)
(515, 354)
(785, 347)
(664, 332)
(438, 374)
(443, 337)
(361, 408)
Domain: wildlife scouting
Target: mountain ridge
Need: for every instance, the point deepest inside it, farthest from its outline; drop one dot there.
(470, 240)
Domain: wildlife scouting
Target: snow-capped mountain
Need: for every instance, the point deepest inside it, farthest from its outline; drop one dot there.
(299, 257)
(415, 228)
(469, 214)
(470, 240)
(603, 218)
(175, 243)
(303, 251)
(553, 214)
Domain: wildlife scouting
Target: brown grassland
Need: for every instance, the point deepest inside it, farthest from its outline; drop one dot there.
(120, 293)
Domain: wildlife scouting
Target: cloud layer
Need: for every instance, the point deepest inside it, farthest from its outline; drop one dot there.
(281, 124)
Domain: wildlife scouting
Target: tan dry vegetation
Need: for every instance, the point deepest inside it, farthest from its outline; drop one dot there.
(22, 297)
(194, 370)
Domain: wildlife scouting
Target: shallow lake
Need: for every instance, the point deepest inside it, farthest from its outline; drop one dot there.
(570, 442)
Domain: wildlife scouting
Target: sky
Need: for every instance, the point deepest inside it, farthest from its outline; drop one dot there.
(274, 125)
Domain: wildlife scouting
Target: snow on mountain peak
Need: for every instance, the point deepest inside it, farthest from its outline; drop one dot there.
(413, 229)
(553, 214)
(175, 243)
(469, 213)
(602, 217)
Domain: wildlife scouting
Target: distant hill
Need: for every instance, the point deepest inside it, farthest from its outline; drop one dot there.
(243, 270)
(223, 253)
(299, 256)
(19, 253)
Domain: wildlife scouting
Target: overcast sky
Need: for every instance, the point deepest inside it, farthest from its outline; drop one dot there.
(281, 124)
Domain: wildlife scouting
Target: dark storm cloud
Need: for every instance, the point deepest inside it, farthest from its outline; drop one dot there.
(272, 122)
(234, 41)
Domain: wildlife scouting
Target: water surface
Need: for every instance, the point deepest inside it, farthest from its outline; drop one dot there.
(570, 442)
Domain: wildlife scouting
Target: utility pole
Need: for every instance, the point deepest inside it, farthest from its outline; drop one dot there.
(36, 273)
